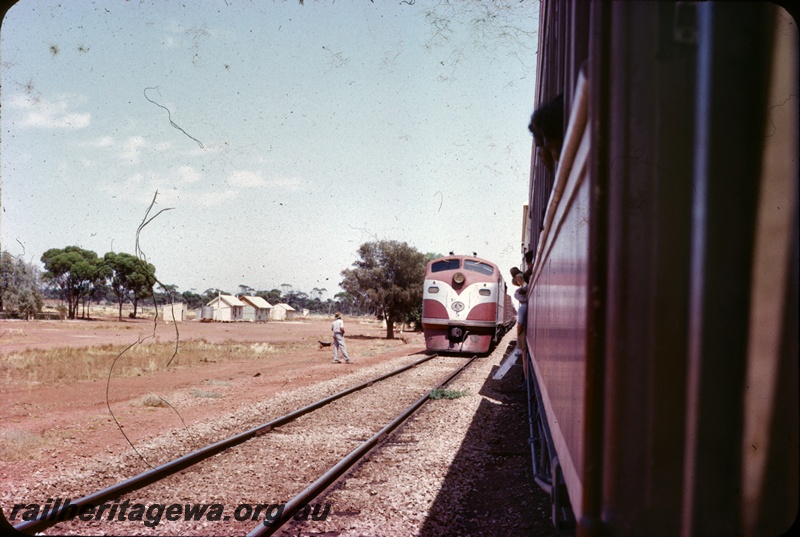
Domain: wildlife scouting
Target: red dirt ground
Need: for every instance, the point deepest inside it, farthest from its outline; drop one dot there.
(73, 419)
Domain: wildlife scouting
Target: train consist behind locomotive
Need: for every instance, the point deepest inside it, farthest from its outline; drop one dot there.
(662, 308)
(465, 306)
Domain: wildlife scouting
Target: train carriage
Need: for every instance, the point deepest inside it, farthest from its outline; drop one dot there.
(662, 306)
(465, 305)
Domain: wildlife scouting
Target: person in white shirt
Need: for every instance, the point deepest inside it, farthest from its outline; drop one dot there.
(521, 294)
(338, 339)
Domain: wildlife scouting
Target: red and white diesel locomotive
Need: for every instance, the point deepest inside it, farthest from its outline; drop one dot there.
(465, 305)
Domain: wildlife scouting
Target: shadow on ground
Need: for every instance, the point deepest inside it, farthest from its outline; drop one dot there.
(489, 488)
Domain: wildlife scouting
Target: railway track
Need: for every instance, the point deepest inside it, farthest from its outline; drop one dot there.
(300, 448)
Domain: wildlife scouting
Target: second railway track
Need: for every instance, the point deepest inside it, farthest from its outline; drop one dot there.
(262, 469)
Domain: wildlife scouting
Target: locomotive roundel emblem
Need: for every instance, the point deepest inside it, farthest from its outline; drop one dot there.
(457, 306)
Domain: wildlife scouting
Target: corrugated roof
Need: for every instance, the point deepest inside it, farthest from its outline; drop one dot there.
(256, 301)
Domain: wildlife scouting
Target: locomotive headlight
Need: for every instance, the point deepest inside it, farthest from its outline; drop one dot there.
(485, 292)
(458, 278)
(433, 289)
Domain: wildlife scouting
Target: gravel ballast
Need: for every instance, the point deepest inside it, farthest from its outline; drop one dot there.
(459, 467)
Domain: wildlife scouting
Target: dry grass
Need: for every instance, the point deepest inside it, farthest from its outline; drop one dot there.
(153, 400)
(202, 393)
(65, 364)
(16, 445)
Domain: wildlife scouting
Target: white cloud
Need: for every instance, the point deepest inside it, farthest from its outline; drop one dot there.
(197, 151)
(175, 188)
(124, 188)
(286, 183)
(245, 179)
(128, 149)
(187, 174)
(212, 199)
(162, 146)
(251, 179)
(170, 197)
(104, 141)
(132, 148)
(49, 114)
(173, 196)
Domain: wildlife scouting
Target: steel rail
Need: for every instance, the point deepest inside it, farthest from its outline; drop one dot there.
(325, 480)
(156, 474)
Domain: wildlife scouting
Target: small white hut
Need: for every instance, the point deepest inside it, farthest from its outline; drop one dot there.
(227, 308)
(255, 308)
(173, 312)
(282, 312)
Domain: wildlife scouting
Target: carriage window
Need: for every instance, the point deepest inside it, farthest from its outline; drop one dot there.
(477, 266)
(445, 264)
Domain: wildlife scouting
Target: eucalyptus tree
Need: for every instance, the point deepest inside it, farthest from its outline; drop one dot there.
(132, 278)
(246, 290)
(387, 279)
(193, 300)
(273, 296)
(20, 292)
(74, 272)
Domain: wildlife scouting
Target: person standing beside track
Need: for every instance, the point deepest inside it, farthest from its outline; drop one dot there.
(338, 339)
(519, 279)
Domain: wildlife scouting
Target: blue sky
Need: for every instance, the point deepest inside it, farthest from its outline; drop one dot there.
(281, 136)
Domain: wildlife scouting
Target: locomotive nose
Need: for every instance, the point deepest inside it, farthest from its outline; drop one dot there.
(455, 333)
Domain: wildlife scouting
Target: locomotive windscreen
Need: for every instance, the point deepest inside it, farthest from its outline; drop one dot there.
(477, 266)
(445, 264)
